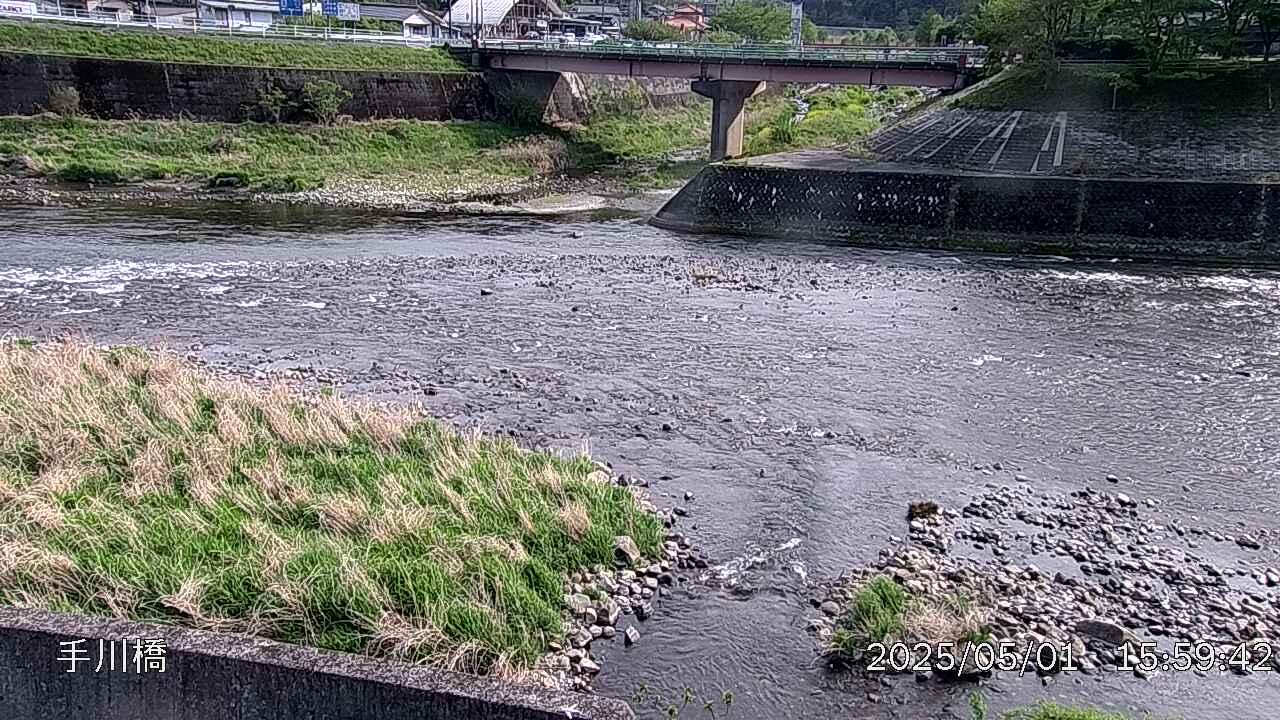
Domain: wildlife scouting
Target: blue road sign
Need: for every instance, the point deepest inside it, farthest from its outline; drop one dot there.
(329, 7)
(291, 8)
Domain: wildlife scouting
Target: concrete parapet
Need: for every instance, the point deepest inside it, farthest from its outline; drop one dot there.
(216, 676)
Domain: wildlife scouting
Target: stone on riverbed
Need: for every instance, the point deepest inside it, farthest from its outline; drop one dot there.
(625, 552)
(1108, 632)
(577, 603)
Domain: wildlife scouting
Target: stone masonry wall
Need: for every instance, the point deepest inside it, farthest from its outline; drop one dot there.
(951, 210)
(119, 89)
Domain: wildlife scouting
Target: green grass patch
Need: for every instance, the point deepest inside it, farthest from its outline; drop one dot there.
(271, 157)
(1054, 711)
(133, 485)
(214, 50)
(839, 116)
(878, 610)
(646, 135)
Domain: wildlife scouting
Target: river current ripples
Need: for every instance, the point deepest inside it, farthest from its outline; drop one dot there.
(803, 393)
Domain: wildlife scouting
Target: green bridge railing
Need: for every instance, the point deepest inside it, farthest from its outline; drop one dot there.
(746, 53)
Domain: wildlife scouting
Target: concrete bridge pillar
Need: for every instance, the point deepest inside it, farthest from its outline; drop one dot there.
(727, 98)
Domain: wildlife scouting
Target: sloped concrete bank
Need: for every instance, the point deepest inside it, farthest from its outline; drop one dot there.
(215, 676)
(826, 196)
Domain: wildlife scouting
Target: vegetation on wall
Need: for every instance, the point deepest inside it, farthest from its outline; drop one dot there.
(218, 51)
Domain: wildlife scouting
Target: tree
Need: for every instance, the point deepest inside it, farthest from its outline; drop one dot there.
(1268, 14)
(1161, 28)
(931, 23)
(762, 21)
(651, 31)
(722, 37)
(1034, 28)
(324, 99)
(1229, 21)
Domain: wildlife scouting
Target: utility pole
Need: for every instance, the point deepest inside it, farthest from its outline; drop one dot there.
(797, 23)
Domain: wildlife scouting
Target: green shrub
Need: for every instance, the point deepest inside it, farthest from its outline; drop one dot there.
(229, 178)
(323, 99)
(79, 172)
(784, 129)
(722, 37)
(520, 108)
(272, 101)
(651, 31)
(64, 100)
(877, 610)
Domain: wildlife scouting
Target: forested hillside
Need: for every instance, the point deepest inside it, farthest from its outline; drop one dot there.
(881, 13)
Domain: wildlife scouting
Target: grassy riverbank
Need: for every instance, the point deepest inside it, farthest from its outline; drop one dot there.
(430, 159)
(276, 157)
(212, 50)
(135, 485)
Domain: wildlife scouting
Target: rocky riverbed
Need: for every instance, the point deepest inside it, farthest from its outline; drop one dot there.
(551, 194)
(805, 393)
(1084, 579)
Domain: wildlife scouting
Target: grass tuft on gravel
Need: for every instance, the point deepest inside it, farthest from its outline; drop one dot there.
(876, 614)
(135, 485)
(1054, 711)
(882, 611)
(214, 50)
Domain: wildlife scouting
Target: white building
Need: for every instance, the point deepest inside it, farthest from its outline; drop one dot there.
(502, 18)
(416, 22)
(238, 13)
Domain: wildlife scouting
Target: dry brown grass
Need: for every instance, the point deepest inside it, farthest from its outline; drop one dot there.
(946, 619)
(134, 484)
(575, 519)
(540, 153)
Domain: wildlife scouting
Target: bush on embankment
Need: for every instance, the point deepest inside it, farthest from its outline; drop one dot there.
(1207, 87)
(135, 485)
(837, 116)
(213, 50)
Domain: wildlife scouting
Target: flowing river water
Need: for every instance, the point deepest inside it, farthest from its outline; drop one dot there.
(803, 393)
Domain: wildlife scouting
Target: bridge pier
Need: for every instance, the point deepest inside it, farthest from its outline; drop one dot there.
(727, 99)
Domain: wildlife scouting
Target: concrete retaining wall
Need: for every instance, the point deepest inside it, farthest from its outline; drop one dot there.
(1060, 215)
(213, 676)
(119, 89)
(576, 98)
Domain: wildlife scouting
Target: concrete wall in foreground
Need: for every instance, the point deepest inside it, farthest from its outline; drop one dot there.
(213, 676)
(1060, 215)
(122, 89)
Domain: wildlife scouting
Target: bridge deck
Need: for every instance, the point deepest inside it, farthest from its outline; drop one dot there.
(937, 68)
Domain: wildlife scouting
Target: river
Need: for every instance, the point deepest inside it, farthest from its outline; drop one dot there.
(803, 393)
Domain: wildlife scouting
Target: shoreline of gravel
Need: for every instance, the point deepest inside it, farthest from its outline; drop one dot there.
(1099, 584)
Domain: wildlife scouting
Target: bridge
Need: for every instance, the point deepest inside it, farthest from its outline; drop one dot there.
(731, 74)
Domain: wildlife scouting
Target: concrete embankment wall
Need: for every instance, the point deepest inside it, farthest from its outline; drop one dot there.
(119, 89)
(943, 210)
(124, 89)
(214, 676)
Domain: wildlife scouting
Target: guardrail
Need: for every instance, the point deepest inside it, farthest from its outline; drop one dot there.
(205, 26)
(744, 52)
